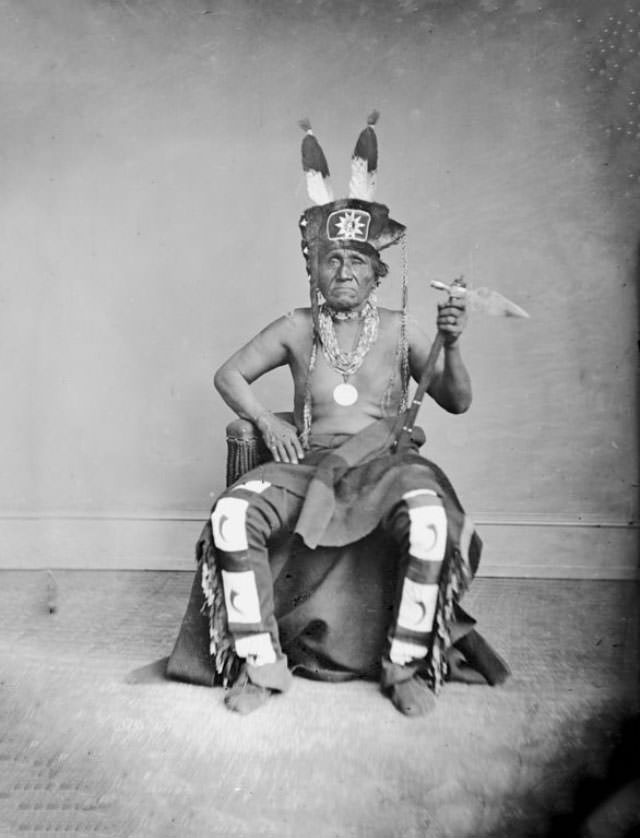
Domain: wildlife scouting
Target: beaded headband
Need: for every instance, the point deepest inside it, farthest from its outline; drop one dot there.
(356, 221)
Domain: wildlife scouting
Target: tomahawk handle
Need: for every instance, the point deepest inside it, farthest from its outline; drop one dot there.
(426, 378)
(409, 420)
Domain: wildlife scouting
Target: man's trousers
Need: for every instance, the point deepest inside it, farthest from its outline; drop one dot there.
(245, 519)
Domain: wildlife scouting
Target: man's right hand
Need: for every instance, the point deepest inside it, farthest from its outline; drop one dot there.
(280, 437)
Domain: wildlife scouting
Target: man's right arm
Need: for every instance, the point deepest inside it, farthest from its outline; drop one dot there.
(266, 351)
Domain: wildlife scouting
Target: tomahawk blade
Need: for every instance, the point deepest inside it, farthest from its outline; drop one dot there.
(483, 299)
(493, 303)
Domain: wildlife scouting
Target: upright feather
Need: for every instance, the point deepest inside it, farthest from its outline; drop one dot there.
(315, 167)
(364, 163)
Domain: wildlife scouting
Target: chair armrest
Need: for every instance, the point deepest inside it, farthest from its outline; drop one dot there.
(245, 447)
(245, 429)
(241, 430)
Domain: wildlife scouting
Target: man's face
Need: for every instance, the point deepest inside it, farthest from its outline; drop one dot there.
(345, 277)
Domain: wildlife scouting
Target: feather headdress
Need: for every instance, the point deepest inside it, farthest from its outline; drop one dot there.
(315, 167)
(364, 163)
(357, 223)
(356, 219)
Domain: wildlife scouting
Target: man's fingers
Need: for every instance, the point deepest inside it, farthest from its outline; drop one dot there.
(459, 305)
(290, 444)
(458, 311)
(298, 448)
(283, 452)
(290, 450)
(284, 444)
(286, 450)
(451, 318)
(295, 449)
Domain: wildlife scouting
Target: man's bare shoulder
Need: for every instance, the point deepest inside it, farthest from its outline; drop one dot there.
(416, 332)
(298, 317)
(390, 321)
(389, 317)
(296, 324)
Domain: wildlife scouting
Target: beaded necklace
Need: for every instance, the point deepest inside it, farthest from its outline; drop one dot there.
(348, 363)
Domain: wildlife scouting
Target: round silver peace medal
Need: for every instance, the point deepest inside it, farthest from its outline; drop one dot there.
(345, 394)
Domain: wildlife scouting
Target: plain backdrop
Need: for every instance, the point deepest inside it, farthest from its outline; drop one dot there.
(150, 187)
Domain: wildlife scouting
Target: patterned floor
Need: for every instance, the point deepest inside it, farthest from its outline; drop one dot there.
(84, 752)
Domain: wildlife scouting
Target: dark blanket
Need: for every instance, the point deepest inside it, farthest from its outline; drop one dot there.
(333, 603)
(349, 489)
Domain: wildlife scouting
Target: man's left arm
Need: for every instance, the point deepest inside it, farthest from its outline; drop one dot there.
(451, 384)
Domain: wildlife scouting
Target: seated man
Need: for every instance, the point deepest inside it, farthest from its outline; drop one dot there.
(338, 472)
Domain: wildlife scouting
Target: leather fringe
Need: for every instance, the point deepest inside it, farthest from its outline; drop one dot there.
(455, 578)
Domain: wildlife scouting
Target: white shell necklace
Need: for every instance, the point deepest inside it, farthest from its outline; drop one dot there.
(347, 363)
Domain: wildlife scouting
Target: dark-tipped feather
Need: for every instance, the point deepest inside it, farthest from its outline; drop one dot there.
(313, 159)
(364, 163)
(315, 166)
(367, 147)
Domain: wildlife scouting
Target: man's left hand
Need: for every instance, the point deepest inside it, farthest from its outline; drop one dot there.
(452, 319)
